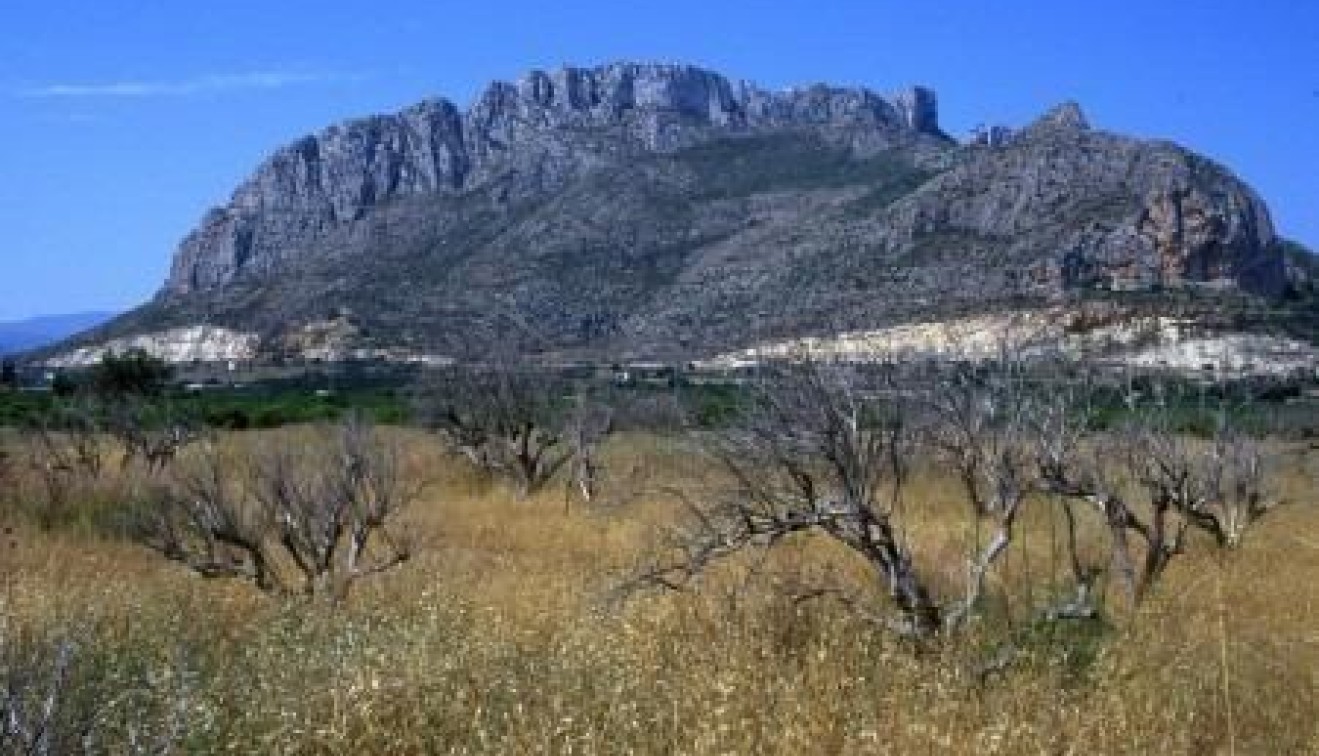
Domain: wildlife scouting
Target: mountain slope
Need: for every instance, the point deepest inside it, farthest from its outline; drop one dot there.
(664, 211)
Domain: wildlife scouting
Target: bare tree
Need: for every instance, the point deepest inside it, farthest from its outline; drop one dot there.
(152, 433)
(1151, 482)
(816, 451)
(205, 519)
(320, 512)
(506, 421)
(330, 510)
(825, 448)
(979, 421)
(1236, 491)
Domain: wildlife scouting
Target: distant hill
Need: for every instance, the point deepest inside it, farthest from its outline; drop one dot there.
(21, 335)
(638, 211)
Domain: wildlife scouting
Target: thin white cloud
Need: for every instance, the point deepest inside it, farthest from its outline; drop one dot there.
(255, 80)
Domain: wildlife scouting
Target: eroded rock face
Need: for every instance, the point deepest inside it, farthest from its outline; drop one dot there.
(322, 181)
(1097, 210)
(1196, 238)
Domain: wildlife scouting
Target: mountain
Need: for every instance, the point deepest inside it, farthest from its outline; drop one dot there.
(22, 335)
(666, 211)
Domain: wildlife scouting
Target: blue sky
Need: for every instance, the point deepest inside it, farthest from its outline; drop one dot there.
(121, 122)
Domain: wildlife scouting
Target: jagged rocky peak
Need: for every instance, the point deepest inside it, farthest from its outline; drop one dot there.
(1066, 116)
(609, 93)
(919, 107)
(663, 107)
(610, 90)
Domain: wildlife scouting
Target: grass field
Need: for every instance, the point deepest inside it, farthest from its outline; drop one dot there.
(502, 636)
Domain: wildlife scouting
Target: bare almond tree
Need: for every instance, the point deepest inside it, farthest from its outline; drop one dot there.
(506, 421)
(826, 447)
(1236, 491)
(816, 451)
(979, 421)
(205, 519)
(329, 509)
(312, 518)
(151, 433)
(1151, 482)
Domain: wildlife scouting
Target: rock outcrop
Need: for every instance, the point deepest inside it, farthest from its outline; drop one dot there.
(176, 345)
(1127, 341)
(1102, 211)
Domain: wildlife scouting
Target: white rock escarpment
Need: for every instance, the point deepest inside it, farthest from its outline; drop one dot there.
(1142, 342)
(199, 343)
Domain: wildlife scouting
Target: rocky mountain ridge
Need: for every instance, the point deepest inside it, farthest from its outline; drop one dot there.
(433, 147)
(638, 211)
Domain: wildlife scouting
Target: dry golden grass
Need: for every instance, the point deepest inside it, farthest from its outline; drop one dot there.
(496, 639)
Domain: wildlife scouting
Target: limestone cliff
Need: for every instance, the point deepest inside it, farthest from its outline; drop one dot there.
(543, 130)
